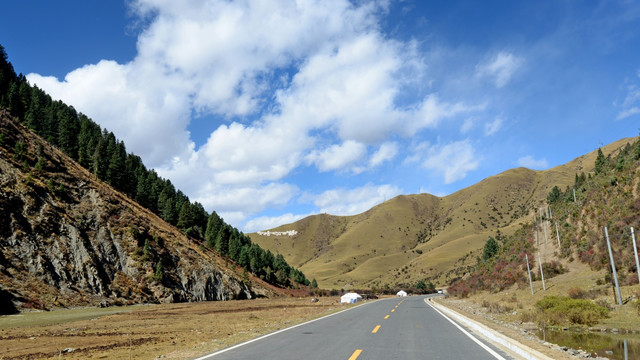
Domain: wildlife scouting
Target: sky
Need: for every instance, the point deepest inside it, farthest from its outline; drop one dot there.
(268, 111)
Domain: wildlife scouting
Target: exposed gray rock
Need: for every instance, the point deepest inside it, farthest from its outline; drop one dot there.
(78, 248)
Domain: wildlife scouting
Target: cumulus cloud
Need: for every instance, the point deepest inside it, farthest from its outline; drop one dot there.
(279, 79)
(500, 68)
(453, 161)
(337, 156)
(531, 163)
(354, 201)
(270, 222)
(386, 152)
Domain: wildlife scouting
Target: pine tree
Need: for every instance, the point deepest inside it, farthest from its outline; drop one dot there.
(214, 223)
(159, 273)
(490, 249)
(601, 163)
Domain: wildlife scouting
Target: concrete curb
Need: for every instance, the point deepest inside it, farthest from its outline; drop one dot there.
(505, 341)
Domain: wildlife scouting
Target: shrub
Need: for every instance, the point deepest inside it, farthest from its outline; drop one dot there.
(561, 310)
(576, 293)
(552, 269)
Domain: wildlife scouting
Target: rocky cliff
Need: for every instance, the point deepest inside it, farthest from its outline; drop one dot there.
(67, 239)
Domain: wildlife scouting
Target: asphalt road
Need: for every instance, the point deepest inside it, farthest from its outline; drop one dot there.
(398, 328)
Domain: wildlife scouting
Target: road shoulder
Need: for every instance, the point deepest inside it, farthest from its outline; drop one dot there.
(517, 342)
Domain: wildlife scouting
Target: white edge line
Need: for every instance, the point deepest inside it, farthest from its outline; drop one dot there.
(273, 333)
(507, 342)
(488, 349)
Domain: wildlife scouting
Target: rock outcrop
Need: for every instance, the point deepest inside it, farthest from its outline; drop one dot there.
(67, 239)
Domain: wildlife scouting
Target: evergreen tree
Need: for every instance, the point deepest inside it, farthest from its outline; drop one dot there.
(235, 246)
(222, 240)
(243, 259)
(159, 273)
(554, 195)
(601, 163)
(490, 249)
(214, 223)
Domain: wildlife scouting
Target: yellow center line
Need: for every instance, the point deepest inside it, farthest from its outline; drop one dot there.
(375, 330)
(355, 354)
(396, 306)
(386, 317)
(392, 310)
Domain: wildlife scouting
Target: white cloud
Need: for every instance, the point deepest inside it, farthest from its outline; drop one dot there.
(493, 127)
(337, 157)
(628, 112)
(281, 79)
(354, 201)
(386, 152)
(453, 161)
(500, 69)
(531, 163)
(467, 125)
(630, 103)
(248, 199)
(267, 222)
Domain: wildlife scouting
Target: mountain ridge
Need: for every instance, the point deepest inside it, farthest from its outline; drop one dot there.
(421, 236)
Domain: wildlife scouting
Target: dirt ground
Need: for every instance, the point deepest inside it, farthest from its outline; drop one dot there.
(168, 331)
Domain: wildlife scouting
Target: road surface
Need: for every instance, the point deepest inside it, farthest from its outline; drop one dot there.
(397, 328)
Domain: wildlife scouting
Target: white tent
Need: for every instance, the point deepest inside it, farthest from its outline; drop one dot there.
(350, 298)
(401, 293)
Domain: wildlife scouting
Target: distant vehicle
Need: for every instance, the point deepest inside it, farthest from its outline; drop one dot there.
(440, 291)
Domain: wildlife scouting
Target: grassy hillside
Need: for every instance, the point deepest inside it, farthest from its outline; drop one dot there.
(578, 287)
(420, 237)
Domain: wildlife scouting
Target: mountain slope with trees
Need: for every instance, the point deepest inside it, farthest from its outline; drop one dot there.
(34, 173)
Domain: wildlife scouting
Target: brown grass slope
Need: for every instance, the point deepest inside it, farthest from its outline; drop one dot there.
(419, 237)
(68, 239)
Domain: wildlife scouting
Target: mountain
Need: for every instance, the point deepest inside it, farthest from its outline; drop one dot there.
(69, 239)
(419, 237)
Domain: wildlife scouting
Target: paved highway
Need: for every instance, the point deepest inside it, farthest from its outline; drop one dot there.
(398, 328)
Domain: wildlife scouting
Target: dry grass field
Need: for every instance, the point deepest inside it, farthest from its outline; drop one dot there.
(169, 331)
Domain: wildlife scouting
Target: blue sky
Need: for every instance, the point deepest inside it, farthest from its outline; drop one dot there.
(269, 111)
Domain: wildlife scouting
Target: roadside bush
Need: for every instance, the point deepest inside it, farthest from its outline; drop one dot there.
(563, 310)
(576, 293)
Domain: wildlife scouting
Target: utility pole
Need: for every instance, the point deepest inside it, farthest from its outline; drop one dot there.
(558, 235)
(574, 195)
(529, 271)
(635, 251)
(613, 267)
(541, 273)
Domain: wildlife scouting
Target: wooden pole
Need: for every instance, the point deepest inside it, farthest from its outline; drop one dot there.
(558, 235)
(613, 267)
(529, 271)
